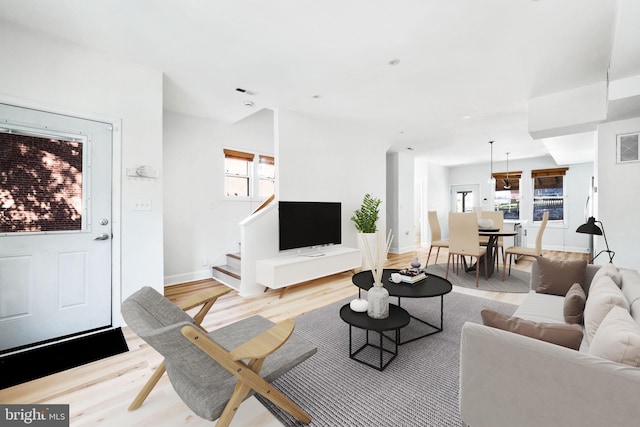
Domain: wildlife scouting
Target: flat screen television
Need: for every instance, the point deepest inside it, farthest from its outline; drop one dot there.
(308, 224)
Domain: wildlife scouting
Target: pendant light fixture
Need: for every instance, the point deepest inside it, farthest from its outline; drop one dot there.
(492, 180)
(507, 184)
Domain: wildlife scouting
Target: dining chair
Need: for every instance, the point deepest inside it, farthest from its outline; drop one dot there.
(498, 222)
(525, 251)
(465, 241)
(214, 372)
(436, 236)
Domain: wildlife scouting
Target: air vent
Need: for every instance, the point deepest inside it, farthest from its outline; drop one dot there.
(245, 91)
(628, 148)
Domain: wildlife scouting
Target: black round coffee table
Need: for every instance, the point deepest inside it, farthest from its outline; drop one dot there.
(398, 318)
(432, 286)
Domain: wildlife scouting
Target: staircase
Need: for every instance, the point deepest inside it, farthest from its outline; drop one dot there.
(229, 273)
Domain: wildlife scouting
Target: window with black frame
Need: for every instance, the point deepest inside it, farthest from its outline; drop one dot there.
(549, 193)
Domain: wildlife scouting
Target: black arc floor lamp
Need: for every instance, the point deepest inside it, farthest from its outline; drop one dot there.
(592, 228)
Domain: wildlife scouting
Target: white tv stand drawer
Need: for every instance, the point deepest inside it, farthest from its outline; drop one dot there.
(288, 270)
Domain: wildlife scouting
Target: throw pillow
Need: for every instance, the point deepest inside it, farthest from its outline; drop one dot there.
(556, 277)
(617, 338)
(603, 297)
(609, 270)
(569, 336)
(574, 303)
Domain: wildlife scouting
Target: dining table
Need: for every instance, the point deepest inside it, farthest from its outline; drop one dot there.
(492, 247)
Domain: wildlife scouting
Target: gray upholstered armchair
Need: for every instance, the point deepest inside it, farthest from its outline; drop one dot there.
(213, 372)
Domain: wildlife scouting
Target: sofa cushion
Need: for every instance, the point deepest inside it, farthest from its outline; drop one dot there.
(608, 270)
(617, 338)
(574, 303)
(541, 308)
(603, 295)
(556, 333)
(556, 277)
(631, 288)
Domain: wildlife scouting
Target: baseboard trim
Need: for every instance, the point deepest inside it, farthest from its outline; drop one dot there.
(187, 277)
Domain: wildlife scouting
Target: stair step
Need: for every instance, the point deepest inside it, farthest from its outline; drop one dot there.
(228, 270)
(234, 256)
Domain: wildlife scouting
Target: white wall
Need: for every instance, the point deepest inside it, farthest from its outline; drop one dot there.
(400, 201)
(64, 78)
(577, 187)
(617, 198)
(330, 161)
(433, 181)
(200, 224)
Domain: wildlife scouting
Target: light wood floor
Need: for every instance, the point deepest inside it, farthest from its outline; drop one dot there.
(100, 392)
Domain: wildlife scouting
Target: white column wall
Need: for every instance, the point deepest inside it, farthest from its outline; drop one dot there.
(400, 201)
(435, 196)
(330, 161)
(617, 197)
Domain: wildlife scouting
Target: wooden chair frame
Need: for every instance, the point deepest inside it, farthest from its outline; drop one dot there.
(205, 299)
(255, 351)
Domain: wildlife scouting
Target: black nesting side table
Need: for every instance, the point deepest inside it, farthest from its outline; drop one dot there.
(398, 318)
(432, 286)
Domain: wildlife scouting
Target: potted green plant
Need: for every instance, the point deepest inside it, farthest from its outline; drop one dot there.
(366, 217)
(365, 220)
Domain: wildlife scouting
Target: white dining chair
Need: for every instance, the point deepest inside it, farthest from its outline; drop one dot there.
(465, 241)
(436, 236)
(524, 251)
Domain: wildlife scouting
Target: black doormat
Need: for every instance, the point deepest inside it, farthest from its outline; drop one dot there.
(40, 362)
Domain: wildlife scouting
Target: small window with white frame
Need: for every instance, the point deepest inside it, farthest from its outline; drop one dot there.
(246, 178)
(549, 194)
(238, 168)
(266, 176)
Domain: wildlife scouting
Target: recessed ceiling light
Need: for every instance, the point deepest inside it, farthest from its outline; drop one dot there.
(466, 117)
(248, 104)
(410, 148)
(317, 96)
(394, 62)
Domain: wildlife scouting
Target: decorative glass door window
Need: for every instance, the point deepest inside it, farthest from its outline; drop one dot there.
(41, 183)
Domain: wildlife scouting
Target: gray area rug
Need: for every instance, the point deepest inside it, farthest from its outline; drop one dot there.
(517, 282)
(419, 388)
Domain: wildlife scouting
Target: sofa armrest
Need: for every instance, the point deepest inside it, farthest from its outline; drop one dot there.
(509, 379)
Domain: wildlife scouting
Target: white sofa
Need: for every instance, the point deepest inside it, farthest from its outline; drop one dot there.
(508, 379)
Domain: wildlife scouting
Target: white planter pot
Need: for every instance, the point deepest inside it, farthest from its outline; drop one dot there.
(371, 241)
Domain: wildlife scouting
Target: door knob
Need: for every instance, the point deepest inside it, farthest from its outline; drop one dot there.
(103, 236)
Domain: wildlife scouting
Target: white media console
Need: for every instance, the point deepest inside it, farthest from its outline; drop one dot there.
(288, 270)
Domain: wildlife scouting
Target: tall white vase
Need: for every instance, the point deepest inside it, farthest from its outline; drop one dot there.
(371, 240)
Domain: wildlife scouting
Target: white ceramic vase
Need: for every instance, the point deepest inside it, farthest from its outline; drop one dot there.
(378, 302)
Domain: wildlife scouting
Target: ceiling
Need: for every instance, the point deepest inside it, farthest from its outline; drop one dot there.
(463, 75)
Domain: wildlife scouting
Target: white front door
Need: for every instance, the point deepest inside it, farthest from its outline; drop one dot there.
(55, 226)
